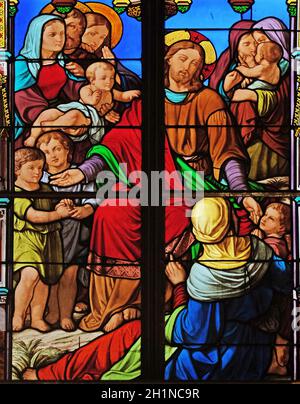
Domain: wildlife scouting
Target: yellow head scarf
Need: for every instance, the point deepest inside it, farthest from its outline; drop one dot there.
(211, 226)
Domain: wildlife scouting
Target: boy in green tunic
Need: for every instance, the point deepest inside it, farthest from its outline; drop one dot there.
(38, 253)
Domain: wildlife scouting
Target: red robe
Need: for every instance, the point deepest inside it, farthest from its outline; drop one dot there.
(117, 229)
(273, 129)
(96, 358)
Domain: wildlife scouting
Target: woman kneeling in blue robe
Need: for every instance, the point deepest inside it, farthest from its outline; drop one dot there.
(230, 286)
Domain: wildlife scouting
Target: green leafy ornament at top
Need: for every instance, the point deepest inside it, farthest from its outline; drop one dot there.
(183, 9)
(292, 11)
(241, 9)
(119, 10)
(64, 9)
(12, 11)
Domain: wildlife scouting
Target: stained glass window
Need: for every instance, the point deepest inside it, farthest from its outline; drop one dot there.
(149, 191)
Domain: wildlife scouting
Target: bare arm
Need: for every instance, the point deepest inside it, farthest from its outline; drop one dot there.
(42, 217)
(252, 72)
(232, 79)
(126, 96)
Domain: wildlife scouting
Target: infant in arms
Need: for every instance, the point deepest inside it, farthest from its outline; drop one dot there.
(100, 92)
(266, 74)
(96, 101)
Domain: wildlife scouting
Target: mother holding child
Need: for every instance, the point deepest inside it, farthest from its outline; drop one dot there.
(253, 77)
(49, 95)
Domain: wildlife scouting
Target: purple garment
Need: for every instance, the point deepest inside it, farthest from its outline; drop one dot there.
(234, 171)
(92, 167)
(236, 176)
(277, 32)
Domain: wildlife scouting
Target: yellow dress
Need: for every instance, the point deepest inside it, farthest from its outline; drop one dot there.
(37, 245)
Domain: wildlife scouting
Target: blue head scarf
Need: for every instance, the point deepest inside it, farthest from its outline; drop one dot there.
(27, 64)
(26, 72)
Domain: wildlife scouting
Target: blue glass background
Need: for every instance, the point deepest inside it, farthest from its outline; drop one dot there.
(128, 48)
(219, 14)
(203, 14)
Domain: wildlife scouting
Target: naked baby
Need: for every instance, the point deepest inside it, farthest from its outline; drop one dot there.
(266, 73)
(97, 100)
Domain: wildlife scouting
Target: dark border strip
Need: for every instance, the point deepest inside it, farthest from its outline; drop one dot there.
(153, 218)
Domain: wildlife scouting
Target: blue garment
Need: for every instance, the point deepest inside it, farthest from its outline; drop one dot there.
(177, 98)
(217, 340)
(28, 64)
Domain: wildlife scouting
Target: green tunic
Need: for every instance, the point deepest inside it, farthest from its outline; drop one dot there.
(37, 245)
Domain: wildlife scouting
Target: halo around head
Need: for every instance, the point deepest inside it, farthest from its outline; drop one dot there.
(209, 50)
(113, 18)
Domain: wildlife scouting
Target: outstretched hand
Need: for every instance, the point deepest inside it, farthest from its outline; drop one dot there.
(68, 178)
(131, 95)
(253, 207)
(175, 272)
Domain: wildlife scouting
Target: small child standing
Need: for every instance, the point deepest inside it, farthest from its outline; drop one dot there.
(276, 225)
(96, 101)
(37, 241)
(275, 228)
(58, 148)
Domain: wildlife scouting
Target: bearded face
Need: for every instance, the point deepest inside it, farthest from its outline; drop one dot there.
(183, 65)
(74, 32)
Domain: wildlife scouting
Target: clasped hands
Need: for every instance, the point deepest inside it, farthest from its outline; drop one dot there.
(67, 209)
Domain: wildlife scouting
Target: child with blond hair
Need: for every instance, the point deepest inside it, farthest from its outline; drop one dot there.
(37, 241)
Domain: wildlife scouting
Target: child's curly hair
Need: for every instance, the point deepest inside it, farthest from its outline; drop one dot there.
(63, 139)
(285, 215)
(26, 154)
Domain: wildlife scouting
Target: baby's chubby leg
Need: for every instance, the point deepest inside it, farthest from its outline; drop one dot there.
(72, 122)
(39, 127)
(244, 95)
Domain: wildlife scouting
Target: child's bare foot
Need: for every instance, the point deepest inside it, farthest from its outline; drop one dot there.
(115, 321)
(52, 319)
(40, 325)
(18, 324)
(275, 369)
(279, 361)
(81, 308)
(67, 324)
(131, 314)
(30, 374)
